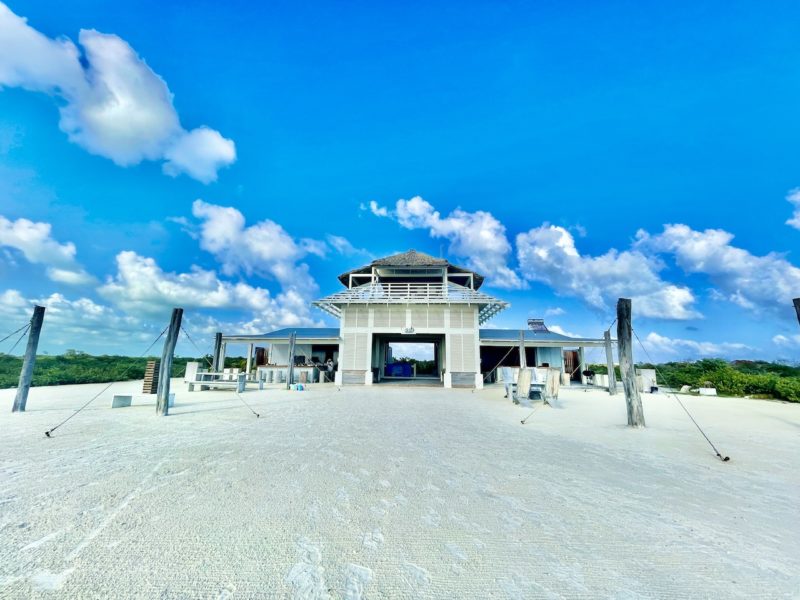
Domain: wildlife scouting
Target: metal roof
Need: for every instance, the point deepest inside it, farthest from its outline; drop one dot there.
(494, 337)
(546, 338)
(303, 333)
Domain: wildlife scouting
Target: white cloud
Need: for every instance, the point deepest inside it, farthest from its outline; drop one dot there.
(378, 211)
(140, 287)
(691, 348)
(561, 331)
(343, 246)
(478, 237)
(264, 248)
(554, 312)
(200, 153)
(752, 282)
(114, 105)
(35, 242)
(794, 198)
(80, 323)
(790, 341)
(547, 254)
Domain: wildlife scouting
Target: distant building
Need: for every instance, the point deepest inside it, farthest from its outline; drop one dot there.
(413, 297)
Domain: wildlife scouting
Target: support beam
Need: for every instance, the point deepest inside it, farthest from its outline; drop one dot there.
(249, 360)
(26, 374)
(217, 350)
(523, 361)
(165, 370)
(625, 349)
(797, 308)
(582, 363)
(612, 375)
(222, 351)
(290, 368)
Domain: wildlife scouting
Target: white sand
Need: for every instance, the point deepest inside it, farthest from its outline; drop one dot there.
(387, 492)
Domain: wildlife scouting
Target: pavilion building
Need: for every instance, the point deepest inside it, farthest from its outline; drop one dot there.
(413, 298)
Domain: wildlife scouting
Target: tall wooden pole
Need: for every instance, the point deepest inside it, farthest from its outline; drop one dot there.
(165, 370)
(797, 308)
(217, 351)
(26, 374)
(625, 349)
(612, 375)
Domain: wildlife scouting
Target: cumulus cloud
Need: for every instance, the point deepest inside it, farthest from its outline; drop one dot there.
(477, 237)
(753, 282)
(141, 287)
(561, 331)
(82, 322)
(264, 248)
(794, 198)
(343, 246)
(378, 211)
(690, 348)
(787, 341)
(35, 242)
(113, 104)
(548, 255)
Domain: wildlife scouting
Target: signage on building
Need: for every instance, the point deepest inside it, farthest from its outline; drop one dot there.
(407, 330)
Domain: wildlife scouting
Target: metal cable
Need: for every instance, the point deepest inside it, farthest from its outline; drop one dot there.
(128, 368)
(13, 332)
(674, 395)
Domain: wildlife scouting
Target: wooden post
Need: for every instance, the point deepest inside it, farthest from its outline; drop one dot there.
(26, 374)
(290, 369)
(612, 375)
(162, 400)
(625, 349)
(523, 360)
(217, 350)
(797, 308)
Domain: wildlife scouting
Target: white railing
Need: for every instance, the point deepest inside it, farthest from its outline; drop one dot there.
(412, 293)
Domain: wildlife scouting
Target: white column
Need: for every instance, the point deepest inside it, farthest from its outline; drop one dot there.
(249, 360)
(582, 362)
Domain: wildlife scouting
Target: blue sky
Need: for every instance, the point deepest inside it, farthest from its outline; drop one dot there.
(225, 158)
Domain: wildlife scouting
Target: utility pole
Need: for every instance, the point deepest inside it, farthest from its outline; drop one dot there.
(625, 349)
(162, 400)
(26, 374)
(612, 375)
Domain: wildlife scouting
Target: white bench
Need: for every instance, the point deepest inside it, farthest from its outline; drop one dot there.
(208, 379)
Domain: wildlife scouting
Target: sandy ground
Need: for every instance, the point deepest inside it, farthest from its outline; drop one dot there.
(387, 492)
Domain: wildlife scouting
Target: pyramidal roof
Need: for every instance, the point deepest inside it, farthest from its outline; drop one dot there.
(409, 258)
(412, 258)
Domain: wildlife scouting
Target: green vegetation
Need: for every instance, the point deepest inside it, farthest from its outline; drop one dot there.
(75, 366)
(738, 378)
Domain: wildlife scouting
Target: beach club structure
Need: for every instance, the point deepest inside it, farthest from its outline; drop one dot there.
(408, 298)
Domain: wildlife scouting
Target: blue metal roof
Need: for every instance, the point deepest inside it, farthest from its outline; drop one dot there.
(303, 333)
(512, 335)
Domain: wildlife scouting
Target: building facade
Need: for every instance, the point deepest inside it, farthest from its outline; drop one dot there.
(415, 298)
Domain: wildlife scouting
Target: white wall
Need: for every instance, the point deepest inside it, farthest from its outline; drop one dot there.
(279, 353)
